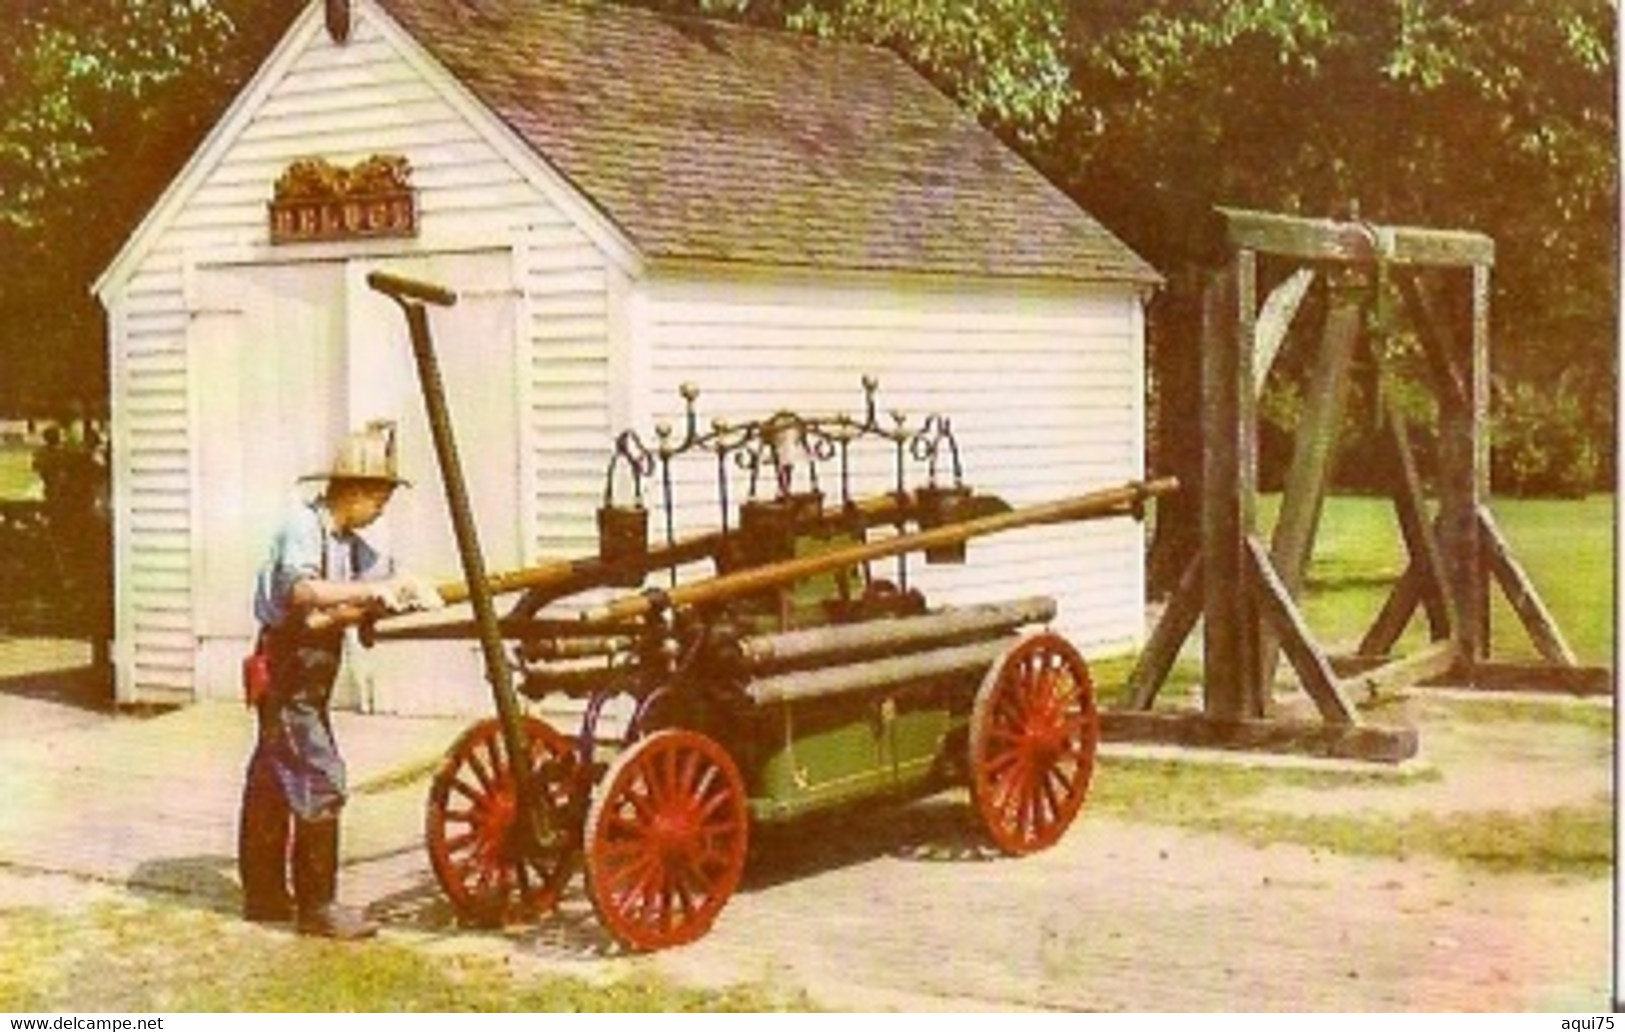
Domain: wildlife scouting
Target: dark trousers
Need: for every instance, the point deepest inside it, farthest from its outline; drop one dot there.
(294, 789)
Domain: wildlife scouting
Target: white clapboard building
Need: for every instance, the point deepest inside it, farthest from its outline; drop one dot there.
(623, 202)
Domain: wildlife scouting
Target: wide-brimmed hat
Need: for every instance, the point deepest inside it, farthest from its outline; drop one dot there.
(368, 455)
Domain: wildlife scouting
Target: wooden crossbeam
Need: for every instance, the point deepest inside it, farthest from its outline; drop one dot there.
(1329, 240)
(1437, 248)
(1304, 737)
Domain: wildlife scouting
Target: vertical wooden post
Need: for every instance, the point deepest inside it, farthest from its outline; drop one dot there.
(1462, 376)
(1229, 473)
(1479, 376)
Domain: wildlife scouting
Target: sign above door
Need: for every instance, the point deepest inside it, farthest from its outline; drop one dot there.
(316, 200)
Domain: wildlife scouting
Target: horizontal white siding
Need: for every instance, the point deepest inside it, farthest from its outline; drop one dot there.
(343, 104)
(567, 318)
(1044, 392)
(152, 441)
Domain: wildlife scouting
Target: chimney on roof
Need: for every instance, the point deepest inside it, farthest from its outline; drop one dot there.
(338, 20)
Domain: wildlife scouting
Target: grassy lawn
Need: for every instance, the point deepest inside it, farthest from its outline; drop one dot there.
(162, 956)
(17, 479)
(1566, 548)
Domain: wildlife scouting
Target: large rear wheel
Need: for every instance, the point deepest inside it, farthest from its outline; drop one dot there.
(1033, 734)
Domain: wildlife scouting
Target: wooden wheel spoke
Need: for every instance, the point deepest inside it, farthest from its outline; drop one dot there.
(458, 842)
(476, 794)
(487, 768)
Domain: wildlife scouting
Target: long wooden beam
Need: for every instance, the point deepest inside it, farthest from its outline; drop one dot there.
(1127, 500)
(1304, 737)
(1329, 240)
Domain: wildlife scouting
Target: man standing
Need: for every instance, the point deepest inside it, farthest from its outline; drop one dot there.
(321, 575)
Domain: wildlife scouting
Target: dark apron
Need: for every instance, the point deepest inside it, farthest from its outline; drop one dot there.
(296, 751)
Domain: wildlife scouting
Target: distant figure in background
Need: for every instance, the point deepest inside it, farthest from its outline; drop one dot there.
(95, 467)
(53, 466)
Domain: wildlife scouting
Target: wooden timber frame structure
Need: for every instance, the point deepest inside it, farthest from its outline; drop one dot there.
(1245, 592)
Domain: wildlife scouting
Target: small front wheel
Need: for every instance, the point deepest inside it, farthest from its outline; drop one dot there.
(484, 862)
(1033, 734)
(666, 839)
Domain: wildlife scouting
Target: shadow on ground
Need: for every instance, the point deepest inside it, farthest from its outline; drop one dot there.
(86, 688)
(941, 829)
(206, 882)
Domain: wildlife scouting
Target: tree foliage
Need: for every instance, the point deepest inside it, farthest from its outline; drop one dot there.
(1493, 115)
(100, 105)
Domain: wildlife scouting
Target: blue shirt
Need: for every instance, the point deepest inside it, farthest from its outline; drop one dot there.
(308, 547)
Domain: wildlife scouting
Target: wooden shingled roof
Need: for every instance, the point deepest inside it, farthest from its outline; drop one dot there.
(708, 141)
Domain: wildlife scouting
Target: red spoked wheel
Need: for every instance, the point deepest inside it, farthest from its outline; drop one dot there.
(1034, 730)
(488, 869)
(665, 840)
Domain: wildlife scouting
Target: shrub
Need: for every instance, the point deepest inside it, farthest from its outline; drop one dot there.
(1542, 442)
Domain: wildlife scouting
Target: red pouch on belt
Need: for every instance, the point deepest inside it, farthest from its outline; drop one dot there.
(256, 674)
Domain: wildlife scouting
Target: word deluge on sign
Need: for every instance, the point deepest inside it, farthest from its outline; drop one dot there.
(298, 221)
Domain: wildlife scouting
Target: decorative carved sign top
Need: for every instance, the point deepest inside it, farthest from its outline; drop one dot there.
(315, 199)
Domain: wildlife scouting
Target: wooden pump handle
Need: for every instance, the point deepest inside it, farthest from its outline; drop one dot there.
(1117, 501)
(400, 288)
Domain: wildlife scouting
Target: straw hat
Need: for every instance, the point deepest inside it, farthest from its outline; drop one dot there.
(366, 455)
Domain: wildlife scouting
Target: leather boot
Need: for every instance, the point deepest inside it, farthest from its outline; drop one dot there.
(315, 884)
(262, 852)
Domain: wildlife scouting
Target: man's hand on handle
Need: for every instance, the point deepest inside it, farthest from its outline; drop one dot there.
(406, 593)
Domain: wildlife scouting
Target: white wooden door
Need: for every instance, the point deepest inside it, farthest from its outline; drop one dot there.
(287, 358)
(266, 353)
(475, 346)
